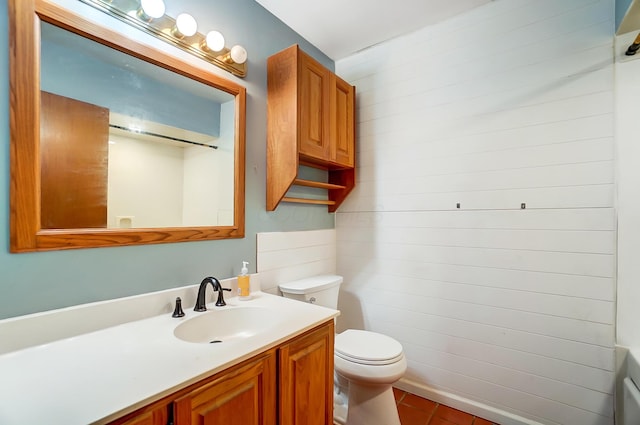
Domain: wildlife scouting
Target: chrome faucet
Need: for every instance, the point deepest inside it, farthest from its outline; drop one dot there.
(200, 300)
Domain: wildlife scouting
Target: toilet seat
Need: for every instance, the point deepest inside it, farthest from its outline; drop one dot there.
(367, 348)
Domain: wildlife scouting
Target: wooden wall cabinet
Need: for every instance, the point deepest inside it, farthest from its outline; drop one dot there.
(288, 385)
(311, 122)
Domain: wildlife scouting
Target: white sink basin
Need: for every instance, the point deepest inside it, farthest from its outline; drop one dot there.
(226, 325)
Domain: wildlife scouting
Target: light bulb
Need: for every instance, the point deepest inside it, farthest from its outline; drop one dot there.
(152, 8)
(186, 25)
(214, 41)
(238, 54)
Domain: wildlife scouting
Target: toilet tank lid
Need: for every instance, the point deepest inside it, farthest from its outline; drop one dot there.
(311, 284)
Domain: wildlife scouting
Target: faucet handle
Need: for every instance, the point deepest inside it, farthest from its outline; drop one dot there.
(220, 302)
(178, 312)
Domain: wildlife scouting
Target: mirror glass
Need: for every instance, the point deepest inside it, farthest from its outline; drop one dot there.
(115, 142)
(128, 144)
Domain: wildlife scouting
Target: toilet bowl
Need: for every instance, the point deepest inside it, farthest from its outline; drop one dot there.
(366, 363)
(370, 362)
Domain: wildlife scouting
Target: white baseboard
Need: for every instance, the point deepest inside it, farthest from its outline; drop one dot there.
(473, 407)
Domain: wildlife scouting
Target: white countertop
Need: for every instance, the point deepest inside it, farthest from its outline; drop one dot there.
(99, 376)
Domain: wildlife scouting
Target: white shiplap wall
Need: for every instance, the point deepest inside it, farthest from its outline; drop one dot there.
(287, 256)
(628, 188)
(505, 312)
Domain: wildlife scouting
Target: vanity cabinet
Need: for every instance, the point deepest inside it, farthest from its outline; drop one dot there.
(311, 122)
(245, 395)
(306, 379)
(156, 415)
(291, 384)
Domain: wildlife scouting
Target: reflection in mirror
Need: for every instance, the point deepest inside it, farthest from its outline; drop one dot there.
(127, 144)
(115, 143)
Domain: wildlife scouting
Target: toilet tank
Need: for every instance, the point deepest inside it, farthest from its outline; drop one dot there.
(322, 290)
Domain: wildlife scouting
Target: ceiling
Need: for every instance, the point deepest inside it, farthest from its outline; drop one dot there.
(342, 27)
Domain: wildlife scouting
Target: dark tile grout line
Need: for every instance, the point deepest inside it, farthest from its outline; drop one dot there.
(433, 413)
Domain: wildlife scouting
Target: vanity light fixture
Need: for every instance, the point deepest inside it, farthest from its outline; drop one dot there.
(151, 9)
(186, 26)
(182, 32)
(213, 42)
(237, 54)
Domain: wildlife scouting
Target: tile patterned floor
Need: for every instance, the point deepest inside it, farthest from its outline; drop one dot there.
(414, 410)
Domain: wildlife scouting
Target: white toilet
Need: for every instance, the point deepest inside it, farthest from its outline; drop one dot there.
(366, 363)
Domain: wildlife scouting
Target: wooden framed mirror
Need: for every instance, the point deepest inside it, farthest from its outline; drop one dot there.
(63, 198)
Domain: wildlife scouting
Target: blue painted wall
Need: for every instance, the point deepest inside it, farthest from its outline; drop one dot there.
(40, 281)
(621, 9)
(84, 72)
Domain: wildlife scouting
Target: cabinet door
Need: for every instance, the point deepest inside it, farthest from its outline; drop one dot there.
(157, 417)
(246, 395)
(343, 123)
(314, 98)
(150, 415)
(306, 379)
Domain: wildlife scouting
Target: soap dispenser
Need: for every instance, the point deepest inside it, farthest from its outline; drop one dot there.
(244, 292)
